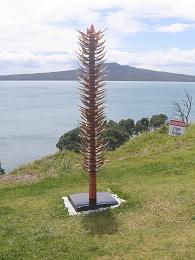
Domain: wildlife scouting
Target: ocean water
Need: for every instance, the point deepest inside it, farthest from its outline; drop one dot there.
(33, 115)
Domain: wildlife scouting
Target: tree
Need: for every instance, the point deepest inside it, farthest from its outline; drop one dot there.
(142, 125)
(115, 136)
(158, 120)
(2, 171)
(183, 109)
(91, 78)
(70, 141)
(127, 125)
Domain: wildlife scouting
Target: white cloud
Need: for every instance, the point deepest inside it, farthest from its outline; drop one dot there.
(173, 60)
(29, 26)
(158, 60)
(122, 22)
(175, 27)
(51, 24)
(161, 8)
(26, 62)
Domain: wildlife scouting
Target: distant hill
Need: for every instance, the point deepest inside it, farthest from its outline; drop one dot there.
(115, 72)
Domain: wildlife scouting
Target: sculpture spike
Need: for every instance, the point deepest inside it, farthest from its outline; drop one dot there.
(92, 30)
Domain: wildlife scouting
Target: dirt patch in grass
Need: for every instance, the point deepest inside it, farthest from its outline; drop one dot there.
(24, 178)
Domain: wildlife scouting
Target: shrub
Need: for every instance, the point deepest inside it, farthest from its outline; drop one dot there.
(142, 125)
(115, 133)
(127, 125)
(2, 171)
(158, 120)
(115, 136)
(70, 141)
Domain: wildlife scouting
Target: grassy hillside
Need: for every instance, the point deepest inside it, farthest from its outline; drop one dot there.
(154, 173)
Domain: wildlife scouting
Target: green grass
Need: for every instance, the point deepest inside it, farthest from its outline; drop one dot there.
(154, 173)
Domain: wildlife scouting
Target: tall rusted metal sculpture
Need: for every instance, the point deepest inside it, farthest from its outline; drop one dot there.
(91, 78)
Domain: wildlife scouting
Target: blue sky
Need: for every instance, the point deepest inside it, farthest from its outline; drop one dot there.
(40, 35)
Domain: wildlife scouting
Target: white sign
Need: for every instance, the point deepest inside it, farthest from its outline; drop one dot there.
(176, 127)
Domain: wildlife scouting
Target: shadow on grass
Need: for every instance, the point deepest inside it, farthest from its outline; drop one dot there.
(100, 223)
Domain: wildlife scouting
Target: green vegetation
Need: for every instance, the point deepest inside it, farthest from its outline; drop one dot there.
(142, 125)
(115, 134)
(158, 120)
(127, 125)
(154, 173)
(70, 141)
(2, 171)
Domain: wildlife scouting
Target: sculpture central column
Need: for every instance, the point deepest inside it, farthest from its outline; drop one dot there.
(92, 189)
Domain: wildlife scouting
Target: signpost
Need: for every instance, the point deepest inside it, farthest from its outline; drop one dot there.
(176, 127)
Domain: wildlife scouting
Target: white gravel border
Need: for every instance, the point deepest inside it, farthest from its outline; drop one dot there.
(73, 212)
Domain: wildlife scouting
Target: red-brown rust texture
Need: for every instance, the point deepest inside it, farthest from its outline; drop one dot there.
(92, 92)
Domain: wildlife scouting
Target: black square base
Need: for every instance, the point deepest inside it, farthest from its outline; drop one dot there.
(80, 201)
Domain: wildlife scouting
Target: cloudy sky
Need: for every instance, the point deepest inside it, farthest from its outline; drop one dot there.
(40, 35)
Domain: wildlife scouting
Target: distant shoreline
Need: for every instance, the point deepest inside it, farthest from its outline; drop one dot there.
(46, 80)
(115, 72)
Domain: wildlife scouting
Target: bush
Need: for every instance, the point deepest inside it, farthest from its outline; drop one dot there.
(158, 120)
(127, 125)
(142, 125)
(163, 129)
(70, 141)
(2, 171)
(114, 135)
